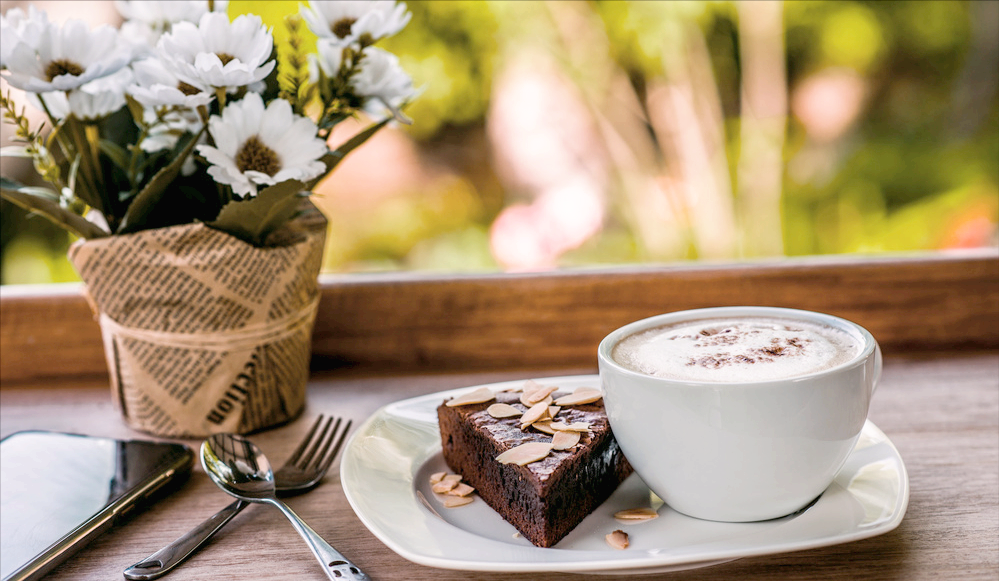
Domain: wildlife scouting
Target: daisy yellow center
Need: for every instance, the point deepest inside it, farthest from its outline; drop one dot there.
(225, 57)
(62, 67)
(187, 89)
(341, 28)
(255, 156)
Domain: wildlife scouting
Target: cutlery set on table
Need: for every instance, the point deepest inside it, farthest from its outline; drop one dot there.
(240, 469)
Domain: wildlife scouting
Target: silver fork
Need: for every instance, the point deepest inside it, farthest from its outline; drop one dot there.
(302, 472)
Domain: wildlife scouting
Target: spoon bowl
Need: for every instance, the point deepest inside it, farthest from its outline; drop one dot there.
(241, 470)
(238, 467)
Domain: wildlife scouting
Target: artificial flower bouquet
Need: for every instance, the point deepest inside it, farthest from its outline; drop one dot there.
(181, 150)
(182, 116)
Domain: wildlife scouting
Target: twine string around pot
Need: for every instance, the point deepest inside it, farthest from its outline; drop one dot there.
(244, 337)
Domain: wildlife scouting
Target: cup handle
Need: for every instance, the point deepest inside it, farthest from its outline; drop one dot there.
(878, 364)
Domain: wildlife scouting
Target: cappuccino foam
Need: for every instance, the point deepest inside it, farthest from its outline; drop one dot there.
(736, 350)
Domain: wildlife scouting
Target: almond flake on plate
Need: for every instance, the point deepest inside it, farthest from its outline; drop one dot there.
(617, 539)
(461, 489)
(456, 501)
(524, 454)
(444, 486)
(503, 410)
(481, 395)
(580, 396)
(565, 440)
(636, 514)
(437, 477)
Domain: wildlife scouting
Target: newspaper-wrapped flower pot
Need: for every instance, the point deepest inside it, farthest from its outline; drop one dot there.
(204, 333)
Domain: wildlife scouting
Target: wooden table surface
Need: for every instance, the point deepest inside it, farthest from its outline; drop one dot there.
(941, 412)
(381, 339)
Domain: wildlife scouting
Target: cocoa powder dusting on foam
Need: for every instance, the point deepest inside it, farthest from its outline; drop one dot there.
(792, 346)
(742, 349)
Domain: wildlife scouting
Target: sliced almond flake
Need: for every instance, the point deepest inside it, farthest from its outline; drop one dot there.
(503, 410)
(617, 539)
(529, 385)
(580, 396)
(481, 395)
(461, 490)
(437, 477)
(573, 427)
(532, 397)
(636, 514)
(452, 478)
(444, 486)
(525, 453)
(565, 440)
(456, 501)
(553, 410)
(544, 426)
(537, 412)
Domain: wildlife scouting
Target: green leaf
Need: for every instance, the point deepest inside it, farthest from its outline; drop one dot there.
(116, 153)
(38, 200)
(333, 158)
(138, 212)
(253, 219)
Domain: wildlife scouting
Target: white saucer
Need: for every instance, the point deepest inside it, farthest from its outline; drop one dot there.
(385, 474)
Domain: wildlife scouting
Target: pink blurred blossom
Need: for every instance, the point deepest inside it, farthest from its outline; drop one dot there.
(828, 102)
(546, 150)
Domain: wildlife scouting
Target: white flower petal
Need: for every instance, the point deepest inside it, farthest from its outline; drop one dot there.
(97, 53)
(291, 138)
(375, 18)
(194, 51)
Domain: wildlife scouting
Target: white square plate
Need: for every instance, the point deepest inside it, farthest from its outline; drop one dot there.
(385, 474)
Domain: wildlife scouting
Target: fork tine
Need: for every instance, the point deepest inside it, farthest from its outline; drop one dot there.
(326, 443)
(317, 441)
(328, 461)
(293, 459)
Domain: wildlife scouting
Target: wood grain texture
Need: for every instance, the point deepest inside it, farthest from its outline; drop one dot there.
(410, 322)
(942, 413)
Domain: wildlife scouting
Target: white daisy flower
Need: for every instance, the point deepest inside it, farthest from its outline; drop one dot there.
(161, 15)
(347, 22)
(262, 147)
(147, 20)
(91, 102)
(380, 82)
(156, 86)
(16, 26)
(382, 79)
(65, 57)
(217, 53)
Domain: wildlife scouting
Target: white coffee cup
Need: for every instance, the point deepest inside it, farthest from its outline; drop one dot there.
(740, 452)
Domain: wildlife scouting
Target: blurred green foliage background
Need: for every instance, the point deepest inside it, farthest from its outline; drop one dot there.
(567, 134)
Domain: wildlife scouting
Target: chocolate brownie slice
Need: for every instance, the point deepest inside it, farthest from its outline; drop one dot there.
(546, 499)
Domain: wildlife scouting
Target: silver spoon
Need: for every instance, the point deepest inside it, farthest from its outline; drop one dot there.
(241, 470)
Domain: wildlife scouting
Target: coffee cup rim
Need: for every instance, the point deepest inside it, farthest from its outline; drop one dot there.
(611, 339)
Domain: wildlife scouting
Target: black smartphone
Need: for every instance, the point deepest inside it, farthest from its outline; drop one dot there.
(58, 491)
